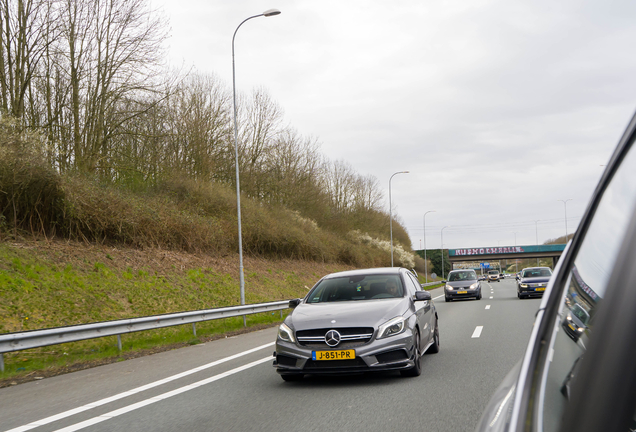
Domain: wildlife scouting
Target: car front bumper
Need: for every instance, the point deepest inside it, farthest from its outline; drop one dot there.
(462, 293)
(392, 353)
(531, 292)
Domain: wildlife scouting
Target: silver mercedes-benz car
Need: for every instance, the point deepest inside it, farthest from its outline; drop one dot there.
(358, 321)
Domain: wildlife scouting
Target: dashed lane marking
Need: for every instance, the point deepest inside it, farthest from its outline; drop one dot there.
(477, 332)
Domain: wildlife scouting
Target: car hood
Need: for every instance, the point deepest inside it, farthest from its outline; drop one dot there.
(461, 284)
(367, 313)
(532, 280)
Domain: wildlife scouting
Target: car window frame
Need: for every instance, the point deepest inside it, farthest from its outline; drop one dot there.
(533, 366)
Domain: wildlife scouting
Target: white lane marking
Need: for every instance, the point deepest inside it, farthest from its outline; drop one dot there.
(77, 410)
(160, 397)
(477, 331)
(491, 297)
(439, 296)
(487, 306)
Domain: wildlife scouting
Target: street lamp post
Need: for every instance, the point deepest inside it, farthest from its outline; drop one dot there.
(536, 233)
(565, 210)
(267, 13)
(516, 266)
(425, 263)
(391, 212)
(442, 249)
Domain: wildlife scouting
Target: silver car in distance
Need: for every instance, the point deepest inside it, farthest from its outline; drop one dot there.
(358, 321)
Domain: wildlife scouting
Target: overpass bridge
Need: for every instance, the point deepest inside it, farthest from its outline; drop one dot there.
(506, 252)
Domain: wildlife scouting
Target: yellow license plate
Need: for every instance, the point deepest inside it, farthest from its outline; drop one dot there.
(540, 289)
(462, 292)
(571, 326)
(334, 355)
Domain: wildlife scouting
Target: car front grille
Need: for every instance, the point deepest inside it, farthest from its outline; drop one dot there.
(350, 337)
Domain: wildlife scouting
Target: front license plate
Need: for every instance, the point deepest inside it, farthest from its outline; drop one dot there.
(333, 355)
(571, 326)
(462, 292)
(540, 289)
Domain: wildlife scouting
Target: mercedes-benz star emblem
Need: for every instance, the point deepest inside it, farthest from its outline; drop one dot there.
(332, 338)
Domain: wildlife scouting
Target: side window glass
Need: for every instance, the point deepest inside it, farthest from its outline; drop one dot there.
(585, 288)
(409, 285)
(416, 283)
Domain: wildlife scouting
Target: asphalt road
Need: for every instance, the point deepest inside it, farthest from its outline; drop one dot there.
(230, 384)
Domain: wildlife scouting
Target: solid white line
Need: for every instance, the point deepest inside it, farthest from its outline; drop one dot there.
(161, 397)
(477, 331)
(77, 410)
(439, 296)
(487, 306)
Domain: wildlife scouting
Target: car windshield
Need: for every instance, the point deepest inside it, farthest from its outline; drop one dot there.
(356, 288)
(493, 272)
(463, 275)
(531, 273)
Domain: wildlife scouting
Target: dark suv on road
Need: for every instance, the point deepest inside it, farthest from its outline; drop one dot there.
(532, 281)
(579, 374)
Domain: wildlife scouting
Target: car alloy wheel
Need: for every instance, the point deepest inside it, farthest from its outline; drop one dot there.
(416, 370)
(434, 349)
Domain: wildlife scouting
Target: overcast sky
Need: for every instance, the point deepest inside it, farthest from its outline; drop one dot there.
(498, 108)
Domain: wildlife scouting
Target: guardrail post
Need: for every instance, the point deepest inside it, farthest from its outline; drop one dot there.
(1, 362)
(281, 314)
(119, 342)
(194, 329)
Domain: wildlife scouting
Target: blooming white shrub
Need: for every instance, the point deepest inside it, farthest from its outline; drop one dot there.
(312, 223)
(401, 256)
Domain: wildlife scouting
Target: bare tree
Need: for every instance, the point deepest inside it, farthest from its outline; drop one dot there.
(24, 25)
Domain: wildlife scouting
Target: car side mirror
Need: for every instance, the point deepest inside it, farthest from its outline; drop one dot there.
(422, 295)
(295, 302)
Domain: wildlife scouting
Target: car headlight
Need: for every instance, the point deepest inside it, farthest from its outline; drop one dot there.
(580, 329)
(475, 285)
(392, 327)
(523, 285)
(285, 333)
(569, 318)
(449, 288)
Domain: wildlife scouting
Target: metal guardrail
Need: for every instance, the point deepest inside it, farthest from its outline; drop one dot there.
(10, 342)
(431, 283)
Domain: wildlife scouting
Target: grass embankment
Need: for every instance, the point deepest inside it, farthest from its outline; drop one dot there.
(51, 284)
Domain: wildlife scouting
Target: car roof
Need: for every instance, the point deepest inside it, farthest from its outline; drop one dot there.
(365, 272)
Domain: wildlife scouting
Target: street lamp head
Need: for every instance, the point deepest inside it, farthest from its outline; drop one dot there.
(271, 12)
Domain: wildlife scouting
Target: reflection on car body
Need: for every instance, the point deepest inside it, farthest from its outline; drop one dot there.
(578, 372)
(575, 321)
(358, 321)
